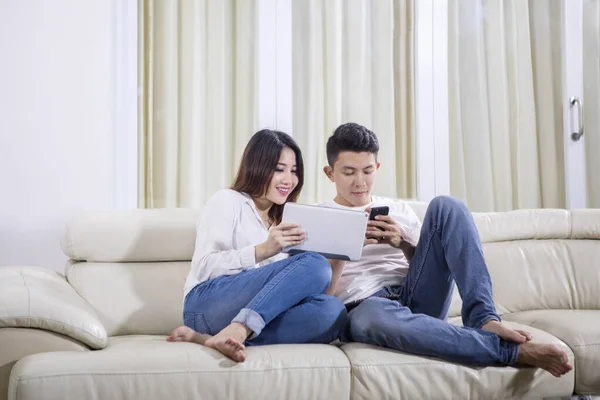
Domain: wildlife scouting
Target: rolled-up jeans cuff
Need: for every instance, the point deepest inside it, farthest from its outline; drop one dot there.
(485, 320)
(252, 320)
(511, 352)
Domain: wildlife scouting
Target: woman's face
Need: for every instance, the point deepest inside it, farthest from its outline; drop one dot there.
(284, 179)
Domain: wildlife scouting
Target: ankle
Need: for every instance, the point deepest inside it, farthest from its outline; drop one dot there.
(201, 338)
(523, 353)
(240, 329)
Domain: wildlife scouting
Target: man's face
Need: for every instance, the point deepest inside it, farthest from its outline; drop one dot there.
(354, 176)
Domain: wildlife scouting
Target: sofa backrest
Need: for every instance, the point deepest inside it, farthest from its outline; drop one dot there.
(131, 266)
(541, 259)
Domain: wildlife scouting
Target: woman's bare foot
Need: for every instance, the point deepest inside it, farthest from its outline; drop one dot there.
(545, 356)
(509, 334)
(230, 341)
(186, 334)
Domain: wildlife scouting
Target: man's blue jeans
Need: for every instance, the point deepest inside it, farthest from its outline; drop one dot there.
(282, 302)
(449, 251)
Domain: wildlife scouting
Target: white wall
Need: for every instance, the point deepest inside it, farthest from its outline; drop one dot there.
(57, 122)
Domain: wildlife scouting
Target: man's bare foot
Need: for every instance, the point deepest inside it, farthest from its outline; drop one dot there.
(509, 334)
(230, 341)
(186, 334)
(545, 356)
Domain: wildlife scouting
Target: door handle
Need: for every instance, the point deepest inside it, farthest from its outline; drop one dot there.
(577, 134)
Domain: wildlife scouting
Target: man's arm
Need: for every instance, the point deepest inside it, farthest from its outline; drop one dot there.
(337, 267)
(408, 250)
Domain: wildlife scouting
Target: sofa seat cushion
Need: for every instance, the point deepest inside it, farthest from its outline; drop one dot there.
(16, 343)
(378, 373)
(148, 367)
(580, 330)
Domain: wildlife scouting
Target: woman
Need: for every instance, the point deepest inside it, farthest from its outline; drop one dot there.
(241, 289)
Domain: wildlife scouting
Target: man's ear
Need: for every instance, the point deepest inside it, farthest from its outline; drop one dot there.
(378, 165)
(329, 172)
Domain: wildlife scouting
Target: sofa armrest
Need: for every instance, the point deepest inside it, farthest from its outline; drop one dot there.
(40, 298)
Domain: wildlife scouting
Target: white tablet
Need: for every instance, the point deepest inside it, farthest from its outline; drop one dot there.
(333, 232)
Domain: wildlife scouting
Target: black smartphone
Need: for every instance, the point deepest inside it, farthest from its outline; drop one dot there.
(375, 211)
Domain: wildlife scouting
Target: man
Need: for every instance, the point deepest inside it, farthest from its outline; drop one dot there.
(400, 291)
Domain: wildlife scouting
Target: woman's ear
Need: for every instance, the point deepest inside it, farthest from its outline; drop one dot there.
(328, 172)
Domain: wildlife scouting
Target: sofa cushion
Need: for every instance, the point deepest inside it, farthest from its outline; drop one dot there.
(537, 224)
(16, 343)
(40, 298)
(542, 274)
(148, 367)
(580, 330)
(133, 298)
(378, 373)
(133, 235)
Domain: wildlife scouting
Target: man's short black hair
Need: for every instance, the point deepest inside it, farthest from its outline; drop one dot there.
(351, 137)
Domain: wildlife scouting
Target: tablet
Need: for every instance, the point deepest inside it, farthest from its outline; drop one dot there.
(333, 232)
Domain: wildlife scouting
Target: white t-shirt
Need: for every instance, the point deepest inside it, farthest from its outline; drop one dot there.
(226, 233)
(380, 264)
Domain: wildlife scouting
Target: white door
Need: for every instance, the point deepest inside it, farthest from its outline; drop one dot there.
(573, 105)
(579, 27)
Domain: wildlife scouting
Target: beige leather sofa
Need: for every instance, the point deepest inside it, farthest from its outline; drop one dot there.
(98, 332)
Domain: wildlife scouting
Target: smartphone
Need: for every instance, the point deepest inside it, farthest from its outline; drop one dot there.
(384, 210)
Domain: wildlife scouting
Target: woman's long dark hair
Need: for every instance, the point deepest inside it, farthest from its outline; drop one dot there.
(259, 163)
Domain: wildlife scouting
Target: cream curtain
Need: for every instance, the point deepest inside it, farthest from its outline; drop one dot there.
(198, 105)
(505, 78)
(591, 97)
(353, 61)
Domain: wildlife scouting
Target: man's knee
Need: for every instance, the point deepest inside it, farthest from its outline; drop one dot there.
(332, 313)
(332, 306)
(366, 318)
(446, 202)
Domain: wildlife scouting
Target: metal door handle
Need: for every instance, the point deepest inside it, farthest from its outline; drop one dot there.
(576, 135)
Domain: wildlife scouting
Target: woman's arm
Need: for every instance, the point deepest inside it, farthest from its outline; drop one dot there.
(214, 254)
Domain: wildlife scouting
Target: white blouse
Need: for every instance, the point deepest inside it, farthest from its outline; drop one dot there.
(227, 232)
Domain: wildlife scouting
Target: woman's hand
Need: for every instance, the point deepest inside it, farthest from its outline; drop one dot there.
(280, 236)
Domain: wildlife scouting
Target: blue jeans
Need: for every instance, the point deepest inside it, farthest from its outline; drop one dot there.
(412, 317)
(282, 302)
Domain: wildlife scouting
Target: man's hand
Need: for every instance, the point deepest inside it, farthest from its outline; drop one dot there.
(384, 230)
(369, 240)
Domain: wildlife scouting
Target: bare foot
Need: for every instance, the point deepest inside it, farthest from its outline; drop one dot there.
(230, 341)
(186, 334)
(545, 356)
(509, 334)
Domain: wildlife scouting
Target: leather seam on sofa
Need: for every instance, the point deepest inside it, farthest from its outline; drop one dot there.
(69, 248)
(432, 362)
(279, 369)
(570, 222)
(445, 364)
(28, 291)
